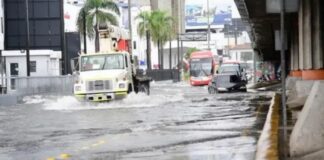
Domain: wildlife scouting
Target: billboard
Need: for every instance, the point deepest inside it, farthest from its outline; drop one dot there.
(197, 16)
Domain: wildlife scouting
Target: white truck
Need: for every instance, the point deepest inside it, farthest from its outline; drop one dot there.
(108, 75)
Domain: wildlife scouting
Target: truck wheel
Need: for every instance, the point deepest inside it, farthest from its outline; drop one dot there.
(130, 88)
(145, 89)
(244, 90)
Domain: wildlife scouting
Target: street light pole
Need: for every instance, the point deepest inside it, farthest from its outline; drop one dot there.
(283, 75)
(27, 39)
(84, 32)
(208, 23)
(130, 26)
(1, 71)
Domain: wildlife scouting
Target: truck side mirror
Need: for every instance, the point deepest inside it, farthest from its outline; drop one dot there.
(74, 64)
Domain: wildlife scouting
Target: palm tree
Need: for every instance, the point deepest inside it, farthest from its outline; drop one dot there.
(95, 13)
(157, 25)
(163, 31)
(145, 28)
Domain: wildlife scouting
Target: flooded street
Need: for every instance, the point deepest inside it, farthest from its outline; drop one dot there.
(176, 122)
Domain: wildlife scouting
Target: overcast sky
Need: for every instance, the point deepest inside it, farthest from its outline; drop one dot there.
(222, 4)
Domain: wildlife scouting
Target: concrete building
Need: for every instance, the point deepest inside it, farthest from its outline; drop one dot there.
(305, 63)
(43, 63)
(241, 52)
(175, 8)
(46, 28)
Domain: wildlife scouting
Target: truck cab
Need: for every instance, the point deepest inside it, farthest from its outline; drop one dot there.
(104, 76)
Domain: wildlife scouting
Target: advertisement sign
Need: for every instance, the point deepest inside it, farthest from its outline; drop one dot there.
(197, 16)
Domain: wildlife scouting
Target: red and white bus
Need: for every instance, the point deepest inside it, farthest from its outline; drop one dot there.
(202, 66)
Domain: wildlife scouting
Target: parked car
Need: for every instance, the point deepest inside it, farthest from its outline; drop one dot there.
(229, 77)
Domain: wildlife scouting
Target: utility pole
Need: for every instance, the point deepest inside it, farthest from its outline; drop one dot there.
(228, 40)
(170, 56)
(1, 71)
(283, 75)
(130, 26)
(208, 23)
(235, 32)
(63, 41)
(84, 32)
(254, 66)
(27, 39)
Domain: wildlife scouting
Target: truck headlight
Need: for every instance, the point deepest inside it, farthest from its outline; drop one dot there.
(77, 88)
(122, 85)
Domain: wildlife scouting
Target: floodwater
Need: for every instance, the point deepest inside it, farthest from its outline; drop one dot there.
(176, 122)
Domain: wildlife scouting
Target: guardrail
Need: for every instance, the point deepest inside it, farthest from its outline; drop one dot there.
(40, 85)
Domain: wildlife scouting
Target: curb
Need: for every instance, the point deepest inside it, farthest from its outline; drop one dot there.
(267, 147)
(263, 84)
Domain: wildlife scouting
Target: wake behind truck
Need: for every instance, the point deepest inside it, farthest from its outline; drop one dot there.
(110, 74)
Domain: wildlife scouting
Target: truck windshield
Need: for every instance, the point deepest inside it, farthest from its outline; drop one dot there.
(102, 62)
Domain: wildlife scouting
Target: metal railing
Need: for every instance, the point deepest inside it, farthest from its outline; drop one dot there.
(40, 85)
(162, 75)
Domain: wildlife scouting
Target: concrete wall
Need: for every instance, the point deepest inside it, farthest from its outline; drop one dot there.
(42, 85)
(62, 85)
(307, 136)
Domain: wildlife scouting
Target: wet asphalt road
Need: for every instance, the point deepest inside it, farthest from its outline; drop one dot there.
(177, 122)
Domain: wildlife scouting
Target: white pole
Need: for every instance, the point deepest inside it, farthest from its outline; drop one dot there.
(283, 77)
(208, 23)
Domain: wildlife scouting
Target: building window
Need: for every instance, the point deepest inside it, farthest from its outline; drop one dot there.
(32, 66)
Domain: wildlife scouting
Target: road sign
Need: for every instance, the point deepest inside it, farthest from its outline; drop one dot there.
(193, 37)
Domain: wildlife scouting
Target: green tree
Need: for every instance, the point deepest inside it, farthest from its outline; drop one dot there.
(189, 51)
(95, 13)
(157, 26)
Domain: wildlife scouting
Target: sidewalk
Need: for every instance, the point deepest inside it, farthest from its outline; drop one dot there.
(267, 146)
(305, 123)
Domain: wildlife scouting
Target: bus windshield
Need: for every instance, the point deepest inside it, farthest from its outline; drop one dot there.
(201, 67)
(102, 62)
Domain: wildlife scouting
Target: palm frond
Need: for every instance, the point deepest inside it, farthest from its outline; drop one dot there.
(110, 5)
(106, 17)
(94, 12)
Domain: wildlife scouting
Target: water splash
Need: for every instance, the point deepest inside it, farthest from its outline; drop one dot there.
(33, 99)
(131, 101)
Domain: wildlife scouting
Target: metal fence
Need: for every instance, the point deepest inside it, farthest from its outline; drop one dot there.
(165, 74)
(64, 84)
(40, 85)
